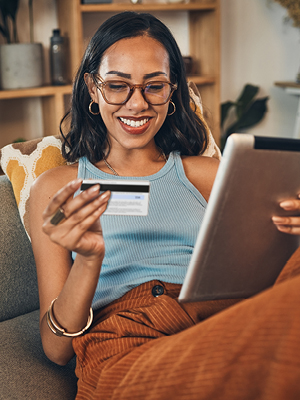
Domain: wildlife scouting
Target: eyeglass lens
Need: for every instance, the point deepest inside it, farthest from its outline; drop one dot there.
(154, 93)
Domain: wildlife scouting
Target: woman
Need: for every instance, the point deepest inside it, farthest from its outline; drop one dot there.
(131, 119)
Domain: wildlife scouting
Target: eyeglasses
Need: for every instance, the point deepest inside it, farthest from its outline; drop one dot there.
(117, 93)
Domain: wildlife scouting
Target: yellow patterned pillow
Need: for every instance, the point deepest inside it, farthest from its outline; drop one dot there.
(24, 162)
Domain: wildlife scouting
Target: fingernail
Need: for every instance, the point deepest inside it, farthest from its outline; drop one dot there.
(105, 195)
(277, 220)
(283, 228)
(94, 189)
(287, 205)
(75, 183)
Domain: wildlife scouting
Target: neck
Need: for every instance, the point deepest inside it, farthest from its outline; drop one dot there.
(133, 163)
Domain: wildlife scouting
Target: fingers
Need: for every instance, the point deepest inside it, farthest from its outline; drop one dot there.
(85, 217)
(290, 204)
(82, 231)
(79, 210)
(63, 201)
(83, 200)
(289, 224)
(80, 214)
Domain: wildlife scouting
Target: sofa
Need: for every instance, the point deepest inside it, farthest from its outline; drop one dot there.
(25, 371)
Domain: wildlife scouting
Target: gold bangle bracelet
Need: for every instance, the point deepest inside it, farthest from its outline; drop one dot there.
(58, 330)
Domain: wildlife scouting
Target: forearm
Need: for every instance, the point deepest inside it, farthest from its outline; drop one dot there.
(71, 309)
(73, 286)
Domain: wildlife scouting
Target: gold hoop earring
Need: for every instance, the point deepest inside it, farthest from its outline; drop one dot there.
(173, 109)
(90, 108)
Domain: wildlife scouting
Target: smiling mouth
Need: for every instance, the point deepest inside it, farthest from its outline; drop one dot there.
(134, 123)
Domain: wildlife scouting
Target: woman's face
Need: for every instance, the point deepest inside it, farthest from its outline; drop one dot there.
(136, 61)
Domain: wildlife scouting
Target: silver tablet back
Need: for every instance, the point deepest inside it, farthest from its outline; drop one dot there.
(239, 252)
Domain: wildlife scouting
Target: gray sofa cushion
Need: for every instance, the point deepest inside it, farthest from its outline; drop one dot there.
(25, 371)
(18, 283)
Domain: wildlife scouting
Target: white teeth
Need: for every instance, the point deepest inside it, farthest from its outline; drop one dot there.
(134, 124)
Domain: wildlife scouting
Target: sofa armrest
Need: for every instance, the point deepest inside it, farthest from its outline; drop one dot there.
(18, 283)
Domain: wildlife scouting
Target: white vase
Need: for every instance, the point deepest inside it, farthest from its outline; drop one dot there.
(21, 65)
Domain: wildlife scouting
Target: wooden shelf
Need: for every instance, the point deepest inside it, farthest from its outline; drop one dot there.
(43, 91)
(53, 103)
(148, 7)
(46, 91)
(288, 84)
(202, 80)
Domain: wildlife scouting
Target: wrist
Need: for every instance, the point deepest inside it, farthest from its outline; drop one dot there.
(94, 261)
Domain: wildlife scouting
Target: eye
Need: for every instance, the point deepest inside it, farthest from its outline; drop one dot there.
(155, 87)
(117, 86)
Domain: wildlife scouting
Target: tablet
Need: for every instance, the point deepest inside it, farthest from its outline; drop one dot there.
(239, 252)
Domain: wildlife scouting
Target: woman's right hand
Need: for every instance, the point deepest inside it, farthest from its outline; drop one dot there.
(289, 224)
(81, 230)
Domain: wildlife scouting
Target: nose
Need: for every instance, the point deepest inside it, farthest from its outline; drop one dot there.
(137, 102)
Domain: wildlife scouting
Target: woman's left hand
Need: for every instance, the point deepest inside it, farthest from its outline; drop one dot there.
(290, 224)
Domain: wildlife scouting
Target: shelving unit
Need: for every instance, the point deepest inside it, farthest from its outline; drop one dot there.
(204, 32)
(204, 25)
(53, 103)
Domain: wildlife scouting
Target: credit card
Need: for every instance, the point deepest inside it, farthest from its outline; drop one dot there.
(128, 197)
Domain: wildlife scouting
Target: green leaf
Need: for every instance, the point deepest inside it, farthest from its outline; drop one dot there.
(9, 8)
(225, 107)
(31, 20)
(245, 99)
(251, 117)
(254, 114)
(4, 28)
(19, 140)
(2, 31)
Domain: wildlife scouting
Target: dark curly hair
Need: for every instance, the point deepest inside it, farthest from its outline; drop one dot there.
(184, 131)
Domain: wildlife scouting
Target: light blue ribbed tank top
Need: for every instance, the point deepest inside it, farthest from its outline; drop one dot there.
(159, 246)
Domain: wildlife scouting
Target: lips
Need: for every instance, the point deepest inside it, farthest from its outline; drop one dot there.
(135, 126)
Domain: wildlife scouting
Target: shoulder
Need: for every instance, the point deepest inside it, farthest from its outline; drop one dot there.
(201, 172)
(49, 182)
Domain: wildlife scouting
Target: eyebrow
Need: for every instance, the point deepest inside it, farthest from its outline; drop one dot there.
(128, 76)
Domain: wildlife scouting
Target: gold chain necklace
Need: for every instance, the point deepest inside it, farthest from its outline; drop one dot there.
(110, 167)
(115, 173)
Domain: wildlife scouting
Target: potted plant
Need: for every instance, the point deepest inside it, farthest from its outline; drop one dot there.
(247, 111)
(21, 64)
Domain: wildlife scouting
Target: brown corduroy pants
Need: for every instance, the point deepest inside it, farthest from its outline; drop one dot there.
(209, 350)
